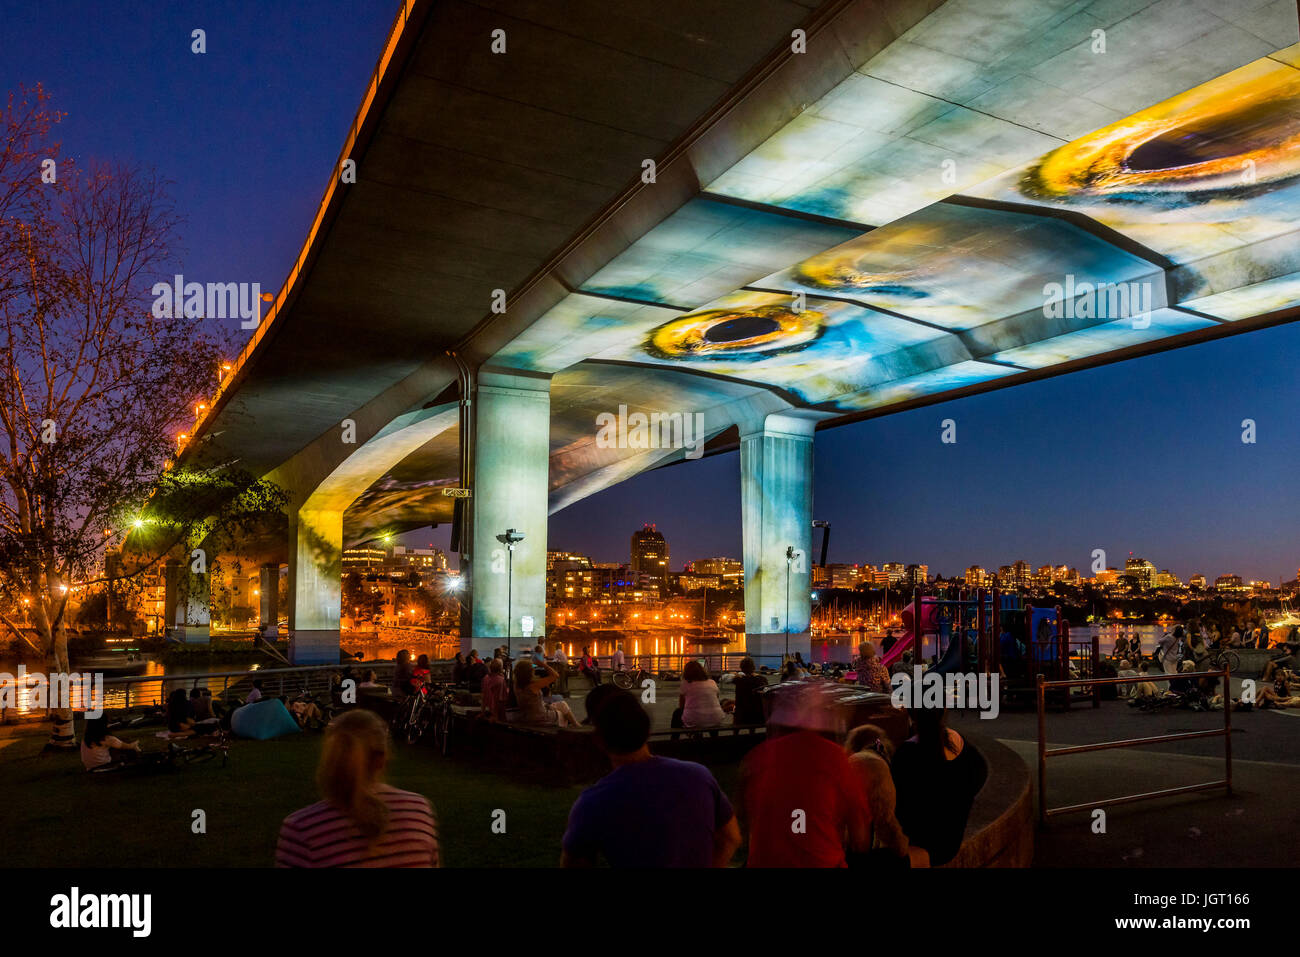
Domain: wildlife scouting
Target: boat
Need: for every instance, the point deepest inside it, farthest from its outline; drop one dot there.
(121, 664)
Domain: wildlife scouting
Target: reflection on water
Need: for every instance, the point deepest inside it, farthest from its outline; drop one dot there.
(165, 677)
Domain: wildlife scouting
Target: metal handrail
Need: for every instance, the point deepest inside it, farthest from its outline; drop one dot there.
(1044, 812)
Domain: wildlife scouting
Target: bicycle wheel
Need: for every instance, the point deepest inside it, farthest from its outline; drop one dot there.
(622, 679)
(1231, 660)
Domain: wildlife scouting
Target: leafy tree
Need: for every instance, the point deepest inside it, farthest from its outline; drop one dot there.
(93, 388)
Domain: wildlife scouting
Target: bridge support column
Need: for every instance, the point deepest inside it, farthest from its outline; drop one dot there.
(268, 587)
(315, 585)
(511, 470)
(185, 602)
(776, 463)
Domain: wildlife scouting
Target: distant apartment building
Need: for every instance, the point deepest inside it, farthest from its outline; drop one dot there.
(613, 582)
(1107, 577)
(1167, 579)
(895, 572)
(569, 577)
(842, 575)
(729, 571)
(650, 555)
(1197, 582)
(915, 575)
(977, 576)
(1140, 573)
(1229, 583)
(363, 558)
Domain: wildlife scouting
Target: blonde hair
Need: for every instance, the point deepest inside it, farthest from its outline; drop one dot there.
(356, 746)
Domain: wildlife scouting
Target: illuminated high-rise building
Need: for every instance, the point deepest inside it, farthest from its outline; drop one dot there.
(650, 555)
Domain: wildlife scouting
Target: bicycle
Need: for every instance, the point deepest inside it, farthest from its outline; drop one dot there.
(440, 715)
(201, 754)
(413, 717)
(1224, 658)
(633, 678)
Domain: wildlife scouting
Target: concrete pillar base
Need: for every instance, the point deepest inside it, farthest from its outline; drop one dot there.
(314, 647)
(191, 634)
(269, 632)
(769, 649)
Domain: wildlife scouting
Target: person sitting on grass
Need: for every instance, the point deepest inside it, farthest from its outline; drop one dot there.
(180, 720)
(255, 694)
(648, 812)
(361, 822)
(533, 706)
(100, 749)
(697, 705)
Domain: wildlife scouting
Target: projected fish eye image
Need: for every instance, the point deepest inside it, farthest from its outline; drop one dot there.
(1239, 136)
(749, 333)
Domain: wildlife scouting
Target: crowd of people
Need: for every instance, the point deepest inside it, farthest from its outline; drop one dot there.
(805, 798)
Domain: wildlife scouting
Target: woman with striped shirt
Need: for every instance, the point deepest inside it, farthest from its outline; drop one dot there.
(362, 822)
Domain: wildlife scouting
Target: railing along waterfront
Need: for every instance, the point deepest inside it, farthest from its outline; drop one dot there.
(1044, 752)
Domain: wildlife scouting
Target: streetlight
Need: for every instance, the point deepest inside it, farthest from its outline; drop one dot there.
(510, 539)
(789, 564)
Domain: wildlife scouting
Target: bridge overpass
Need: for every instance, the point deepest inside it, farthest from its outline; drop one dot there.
(587, 240)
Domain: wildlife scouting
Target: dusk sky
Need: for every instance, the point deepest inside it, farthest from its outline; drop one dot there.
(1144, 456)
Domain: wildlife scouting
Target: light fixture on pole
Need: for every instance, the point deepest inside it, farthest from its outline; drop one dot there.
(789, 563)
(510, 539)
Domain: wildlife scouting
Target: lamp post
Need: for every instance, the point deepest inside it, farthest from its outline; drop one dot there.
(510, 539)
(789, 563)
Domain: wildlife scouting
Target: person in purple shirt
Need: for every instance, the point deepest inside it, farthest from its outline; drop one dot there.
(648, 812)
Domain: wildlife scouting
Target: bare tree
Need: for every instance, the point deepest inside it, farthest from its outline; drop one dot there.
(93, 387)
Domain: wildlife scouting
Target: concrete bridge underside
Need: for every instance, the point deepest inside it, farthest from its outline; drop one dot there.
(745, 221)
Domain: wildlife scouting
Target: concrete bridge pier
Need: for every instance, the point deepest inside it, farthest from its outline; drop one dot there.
(776, 465)
(315, 585)
(511, 471)
(186, 613)
(268, 587)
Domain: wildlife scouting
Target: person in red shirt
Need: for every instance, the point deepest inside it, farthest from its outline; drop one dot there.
(799, 800)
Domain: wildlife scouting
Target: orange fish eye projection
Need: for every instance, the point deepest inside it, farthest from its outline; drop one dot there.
(754, 333)
(1238, 137)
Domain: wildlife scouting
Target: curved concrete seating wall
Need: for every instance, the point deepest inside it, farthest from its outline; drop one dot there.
(1000, 830)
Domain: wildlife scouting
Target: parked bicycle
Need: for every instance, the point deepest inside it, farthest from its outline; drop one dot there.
(633, 678)
(1224, 658)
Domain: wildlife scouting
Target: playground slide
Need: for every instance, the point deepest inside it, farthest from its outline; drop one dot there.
(952, 656)
(908, 615)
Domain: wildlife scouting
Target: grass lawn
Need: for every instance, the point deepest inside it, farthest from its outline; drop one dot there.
(55, 814)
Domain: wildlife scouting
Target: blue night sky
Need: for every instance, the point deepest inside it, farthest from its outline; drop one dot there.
(1144, 456)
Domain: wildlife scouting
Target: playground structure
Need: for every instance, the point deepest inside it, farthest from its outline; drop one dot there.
(996, 632)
